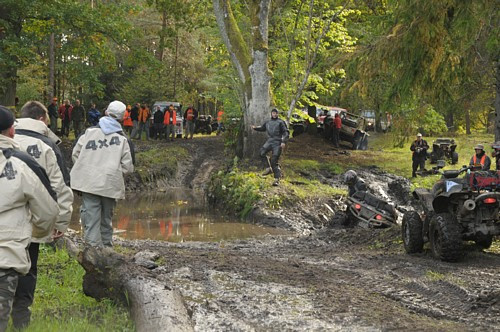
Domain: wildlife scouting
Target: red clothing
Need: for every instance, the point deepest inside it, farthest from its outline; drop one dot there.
(337, 122)
(168, 117)
(63, 112)
(219, 116)
(189, 114)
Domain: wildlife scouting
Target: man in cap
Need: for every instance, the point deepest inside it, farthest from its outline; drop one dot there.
(480, 158)
(496, 153)
(419, 148)
(53, 115)
(277, 136)
(101, 156)
(32, 136)
(28, 208)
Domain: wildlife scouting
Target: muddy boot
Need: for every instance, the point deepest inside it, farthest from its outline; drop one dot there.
(267, 171)
(276, 182)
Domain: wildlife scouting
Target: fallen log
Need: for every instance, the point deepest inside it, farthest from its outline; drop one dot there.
(153, 305)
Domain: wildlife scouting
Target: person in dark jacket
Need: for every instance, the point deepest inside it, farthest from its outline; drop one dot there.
(277, 133)
(65, 115)
(354, 183)
(496, 153)
(53, 114)
(158, 123)
(78, 118)
(93, 116)
(480, 158)
(134, 115)
(419, 148)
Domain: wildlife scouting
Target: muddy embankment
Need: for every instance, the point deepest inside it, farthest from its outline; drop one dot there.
(321, 277)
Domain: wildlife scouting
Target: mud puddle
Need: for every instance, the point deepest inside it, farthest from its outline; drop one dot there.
(180, 215)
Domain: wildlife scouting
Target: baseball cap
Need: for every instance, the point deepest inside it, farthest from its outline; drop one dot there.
(419, 135)
(6, 118)
(116, 109)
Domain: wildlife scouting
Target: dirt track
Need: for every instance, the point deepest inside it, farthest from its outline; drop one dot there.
(332, 279)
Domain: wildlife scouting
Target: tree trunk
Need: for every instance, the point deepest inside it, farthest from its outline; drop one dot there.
(175, 64)
(497, 103)
(52, 86)
(467, 122)
(153, 305)
(9, 78)
(161, 45)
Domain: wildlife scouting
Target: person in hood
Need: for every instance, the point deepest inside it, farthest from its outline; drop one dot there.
(101, 156)
(480, 158)
(32, 136)
(28, 208)
(277, 136)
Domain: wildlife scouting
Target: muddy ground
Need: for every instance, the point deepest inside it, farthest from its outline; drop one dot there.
(324, 277)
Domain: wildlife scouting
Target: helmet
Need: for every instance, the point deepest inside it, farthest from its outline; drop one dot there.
(350, 176)
(479, 147)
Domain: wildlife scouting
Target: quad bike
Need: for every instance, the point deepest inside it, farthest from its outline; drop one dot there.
(455, 210)
(369, 211)
(444, 148)
(203, 125)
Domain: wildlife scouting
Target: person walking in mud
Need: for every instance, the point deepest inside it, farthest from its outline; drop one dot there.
(419, 148)
(101, 156)
(480, 158)
(277, 133)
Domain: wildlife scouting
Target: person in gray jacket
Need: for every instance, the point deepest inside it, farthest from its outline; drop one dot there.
(277, 136)
(28, 208)
(31, 135)
(101, 156)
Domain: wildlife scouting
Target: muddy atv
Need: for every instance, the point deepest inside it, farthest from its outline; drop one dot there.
(444, 148)
(368, 211)
(454, 211)
(352, 129)
(203, 125)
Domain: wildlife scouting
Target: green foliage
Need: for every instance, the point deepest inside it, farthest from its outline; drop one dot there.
(236, 191)
(159, 160)
(61, 305)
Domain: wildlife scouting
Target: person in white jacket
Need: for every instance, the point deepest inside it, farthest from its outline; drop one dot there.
(101, 156)
(32, 136)
(28, 207)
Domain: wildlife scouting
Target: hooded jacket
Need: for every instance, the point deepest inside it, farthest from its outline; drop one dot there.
(101, 156)
(276, 130)
(28, 205)
(28, 132)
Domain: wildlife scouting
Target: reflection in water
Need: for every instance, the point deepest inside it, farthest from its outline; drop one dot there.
(177, 216)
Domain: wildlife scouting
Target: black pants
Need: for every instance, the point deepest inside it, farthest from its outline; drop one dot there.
(417, 162)
(275, 147)
(336, 136)
(65, 128)
(25, 291)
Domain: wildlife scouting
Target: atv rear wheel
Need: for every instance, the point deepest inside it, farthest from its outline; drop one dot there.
(445, 236)
(433, 158)
(411, 229)
(484, 241)
(454, 158)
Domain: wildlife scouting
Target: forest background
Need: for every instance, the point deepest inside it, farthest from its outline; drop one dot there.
(433, 65)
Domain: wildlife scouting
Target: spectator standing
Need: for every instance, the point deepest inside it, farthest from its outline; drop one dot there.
(337, 125)
(78, 118)
(170, 121)
(144, 115)
(101, 156)
(128, 125)
(53, 115)
(190, 117)
(134, 115)
(93, 116)
(419, 148)
(28, 208)
(220, 124)
(31, 131)
(65, 115)
(158, 123)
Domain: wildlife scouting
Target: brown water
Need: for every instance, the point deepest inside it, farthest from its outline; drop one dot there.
(176, 216)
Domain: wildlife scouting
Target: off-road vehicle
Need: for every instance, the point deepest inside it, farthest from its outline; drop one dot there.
(444, 148)
(203, 124)
(369, 211)
(455, 210)
(352, 129)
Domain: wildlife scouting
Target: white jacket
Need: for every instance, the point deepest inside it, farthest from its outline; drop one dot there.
(46, 157)
(101, 157)
(27, 206)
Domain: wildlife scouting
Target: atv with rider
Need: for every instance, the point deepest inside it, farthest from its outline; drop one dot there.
(444, 148)
(454, 211)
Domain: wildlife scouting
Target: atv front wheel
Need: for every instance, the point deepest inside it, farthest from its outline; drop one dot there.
(484, 241)
(411, 229)
(454, 158)
(445, 237)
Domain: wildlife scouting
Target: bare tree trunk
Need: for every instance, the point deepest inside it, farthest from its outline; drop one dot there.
(497, 103)
(161, 45)
(175, 64)
(52, 86)
(467, 122)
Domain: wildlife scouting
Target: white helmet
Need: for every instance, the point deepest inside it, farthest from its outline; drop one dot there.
(350, 176)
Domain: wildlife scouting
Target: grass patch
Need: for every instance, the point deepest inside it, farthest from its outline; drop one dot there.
(162, 159)
(61, 305)
(434, 276)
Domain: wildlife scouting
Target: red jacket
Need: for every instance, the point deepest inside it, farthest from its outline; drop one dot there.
(166, 119)
(337, 122)
(62, 112)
